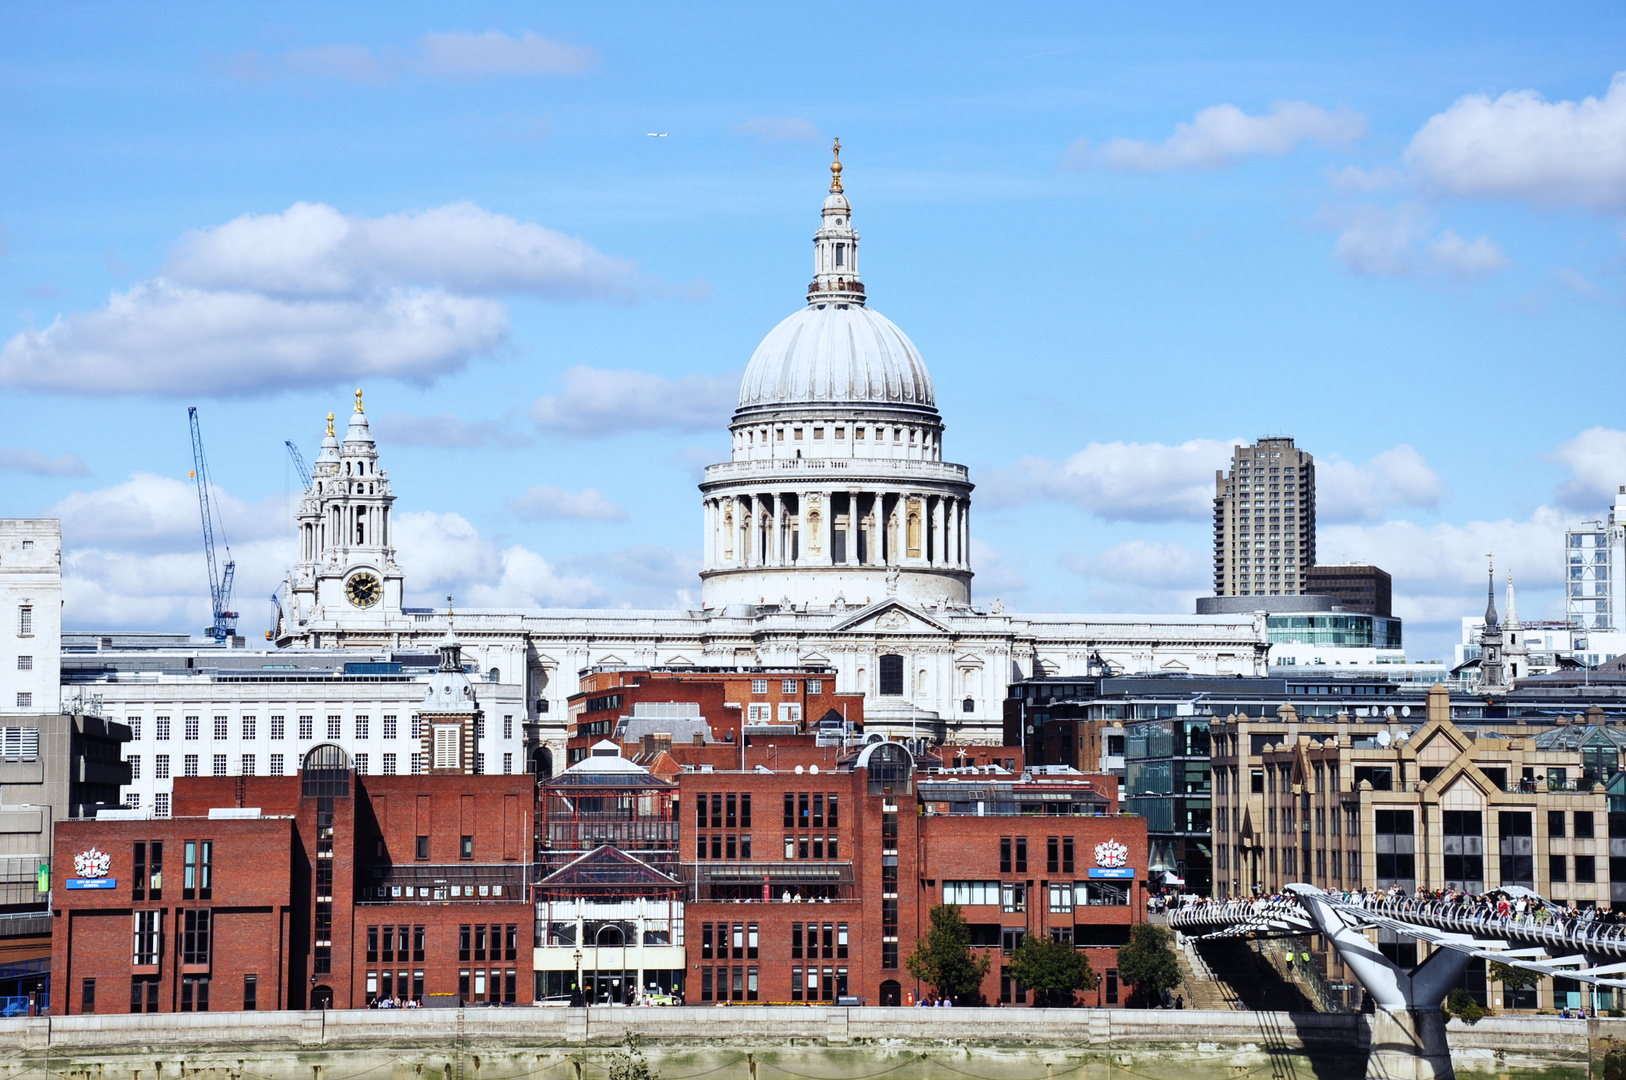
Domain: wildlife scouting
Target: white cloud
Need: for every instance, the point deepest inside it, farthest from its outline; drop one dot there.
(1577, 282)
(1394, 242)
(1466, 259)
(780, 129)
(1597, 461)
(447, 55)
(1366, 181)
(595, 403)
(313, 297)
(312, 249)
(445, 554)
(1155, 564)
(1221, 134)
(23, 460)
(1346, 491)
(445, 430)
(133, 554)
(544, 503)
(1522, 147)
(1439, 570)
(467, 55)
(1120, 481)
(353, 63)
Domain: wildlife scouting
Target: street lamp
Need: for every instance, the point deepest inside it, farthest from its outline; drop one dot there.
(578, 958)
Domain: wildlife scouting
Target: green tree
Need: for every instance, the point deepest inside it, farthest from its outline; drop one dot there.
(943, 959)
(1053, 970)
(1513, 978)
(627, 1062)
(1147, 963)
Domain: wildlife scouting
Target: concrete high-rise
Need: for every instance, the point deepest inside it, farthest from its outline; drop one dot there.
(1264, 520)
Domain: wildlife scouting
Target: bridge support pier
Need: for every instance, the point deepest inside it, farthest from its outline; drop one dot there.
(1408, 1028)
(1409, 1044)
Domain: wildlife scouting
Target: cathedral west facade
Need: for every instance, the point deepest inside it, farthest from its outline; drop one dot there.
(837, 536)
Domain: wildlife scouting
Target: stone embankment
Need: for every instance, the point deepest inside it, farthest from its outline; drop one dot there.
(761, 1042)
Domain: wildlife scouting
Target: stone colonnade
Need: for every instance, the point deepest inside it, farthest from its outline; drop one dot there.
(819, 527)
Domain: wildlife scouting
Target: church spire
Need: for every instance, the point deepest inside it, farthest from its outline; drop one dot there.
(835, 247)
(1512, 605)
(1490, 596)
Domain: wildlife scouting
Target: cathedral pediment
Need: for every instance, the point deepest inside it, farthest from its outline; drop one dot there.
(892, 617)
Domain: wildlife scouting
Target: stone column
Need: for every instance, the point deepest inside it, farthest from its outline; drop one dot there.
(938, 549)
(739, 530)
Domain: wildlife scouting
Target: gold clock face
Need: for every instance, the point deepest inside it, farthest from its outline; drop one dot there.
(363, 590)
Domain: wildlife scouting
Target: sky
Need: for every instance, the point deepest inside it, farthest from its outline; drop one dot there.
(1123, 240)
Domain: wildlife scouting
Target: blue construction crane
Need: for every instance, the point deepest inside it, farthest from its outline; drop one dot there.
(225, 620)
(299, 463)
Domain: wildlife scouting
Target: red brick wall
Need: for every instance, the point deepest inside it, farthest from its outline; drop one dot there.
(93, 930)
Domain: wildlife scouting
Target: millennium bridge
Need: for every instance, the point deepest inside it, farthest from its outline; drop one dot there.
(1408, 1034)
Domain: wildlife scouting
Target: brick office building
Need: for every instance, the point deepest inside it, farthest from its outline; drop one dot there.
(329, 888)
(810, 883)
(617, 702)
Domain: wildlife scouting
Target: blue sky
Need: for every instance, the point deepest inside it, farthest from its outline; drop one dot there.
(1120, 239)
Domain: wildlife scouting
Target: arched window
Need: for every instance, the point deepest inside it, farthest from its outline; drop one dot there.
(325, 772)
(891, 667)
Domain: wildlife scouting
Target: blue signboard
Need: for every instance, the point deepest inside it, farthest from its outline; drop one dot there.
(93, 883)
(1113, 872)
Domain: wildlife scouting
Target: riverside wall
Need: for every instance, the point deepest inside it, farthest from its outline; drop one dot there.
(762, 1042)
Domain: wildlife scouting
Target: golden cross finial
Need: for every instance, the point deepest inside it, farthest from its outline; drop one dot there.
(835, 169)
(358, 399)
(330, 423)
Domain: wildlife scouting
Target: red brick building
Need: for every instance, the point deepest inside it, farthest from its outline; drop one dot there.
(809, 882)
(729, 701)
(329, 888)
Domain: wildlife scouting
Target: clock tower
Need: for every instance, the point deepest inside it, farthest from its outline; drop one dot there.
(346, 584)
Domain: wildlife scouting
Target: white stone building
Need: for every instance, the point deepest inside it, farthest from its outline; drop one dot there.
(31, 607)
(837, 535)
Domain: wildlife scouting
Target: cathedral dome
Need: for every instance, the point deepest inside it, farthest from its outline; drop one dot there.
(836, 353)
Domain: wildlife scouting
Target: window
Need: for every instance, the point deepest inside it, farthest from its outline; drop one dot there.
(307, 727)
(276, 764)
(891, 668)
(759, 686)
(162, 728)
(465, 847)
(248, 724)
(26, 663)
(248, 766)
(389, 764)
(221, 723)
(361, 727)
(189, 765)
(251, 993)
(277, 727)
(333, 723)
(1067, 855)
(508, 727)
(191, 723)
(194, 993)
(144, 994)
(87, 996)
(389, 727)
(815, 686)
(1021, 854)
(25, 619)
(195, 937)
(135, 766)
(147, 926)
(447, 739)
(160, 804)
(1052, 858)
(422, 851)
(788, 686)
(970, 892)
(1013, 896)
(219, 764)
(1004, 855)
(1583, 825)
